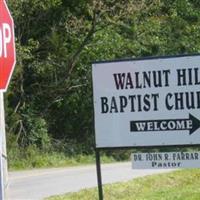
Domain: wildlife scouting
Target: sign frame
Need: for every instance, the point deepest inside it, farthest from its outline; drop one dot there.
(99, 149)
(163, 58)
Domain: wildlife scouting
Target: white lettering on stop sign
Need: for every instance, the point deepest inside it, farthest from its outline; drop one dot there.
(5, 39)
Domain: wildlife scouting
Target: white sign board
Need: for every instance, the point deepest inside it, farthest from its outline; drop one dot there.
(166, 160)
(149, 102)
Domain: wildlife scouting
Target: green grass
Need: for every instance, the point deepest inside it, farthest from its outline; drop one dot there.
(34, 158)
(46, 160)
(178, 185)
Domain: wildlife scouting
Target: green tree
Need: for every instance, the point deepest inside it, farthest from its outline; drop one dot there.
(49, 100)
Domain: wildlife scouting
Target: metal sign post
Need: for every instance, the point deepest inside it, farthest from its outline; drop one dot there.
(99, 177)
(2, 133)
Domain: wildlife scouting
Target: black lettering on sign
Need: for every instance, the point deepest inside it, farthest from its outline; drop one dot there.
(182, 100)
(191, 124)
(131, 103)
(189, 76)
(138, 80)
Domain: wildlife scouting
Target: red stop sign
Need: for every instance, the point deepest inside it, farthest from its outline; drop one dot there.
(7, 46)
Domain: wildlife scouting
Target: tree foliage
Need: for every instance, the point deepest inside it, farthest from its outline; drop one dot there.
(49, 102)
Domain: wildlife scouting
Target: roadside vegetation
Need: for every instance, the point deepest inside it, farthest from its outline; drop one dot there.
(38, 159)
(49, 106)
(178, 185)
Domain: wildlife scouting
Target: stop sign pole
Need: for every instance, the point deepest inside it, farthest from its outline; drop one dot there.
(3, 170)
(7, 64)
